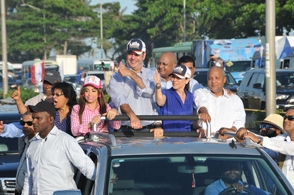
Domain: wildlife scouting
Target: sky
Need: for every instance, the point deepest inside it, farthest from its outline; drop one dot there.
(130, 4)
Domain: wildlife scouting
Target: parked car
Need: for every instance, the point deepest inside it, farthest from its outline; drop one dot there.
(201, 76)
(9, 154)
(97, 73)
(29, 85)
(72, 79)
(12, 84)
(253, 94)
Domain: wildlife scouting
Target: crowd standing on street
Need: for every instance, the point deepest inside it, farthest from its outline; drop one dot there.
(52, 119)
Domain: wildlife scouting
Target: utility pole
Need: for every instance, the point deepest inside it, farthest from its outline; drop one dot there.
(270, 66)
(101, 29)
(4, 49)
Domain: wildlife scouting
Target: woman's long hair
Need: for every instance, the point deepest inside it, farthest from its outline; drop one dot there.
(83, 102)
(68, 92)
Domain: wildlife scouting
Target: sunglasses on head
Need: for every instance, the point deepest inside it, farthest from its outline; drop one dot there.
(266, 126)
(29, 123)
(290, 118)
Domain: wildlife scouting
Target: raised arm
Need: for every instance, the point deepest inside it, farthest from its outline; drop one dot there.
(160, 98)
(19, 103)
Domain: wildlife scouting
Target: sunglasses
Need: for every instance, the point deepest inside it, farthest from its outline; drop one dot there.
(266, 126)
(290, 118)
(29, 123)
(57, 94)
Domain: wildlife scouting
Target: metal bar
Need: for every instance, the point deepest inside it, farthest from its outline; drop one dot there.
(155, 117)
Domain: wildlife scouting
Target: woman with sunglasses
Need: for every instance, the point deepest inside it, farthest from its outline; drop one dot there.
(177, 100)
(64, 98)
(91, 107)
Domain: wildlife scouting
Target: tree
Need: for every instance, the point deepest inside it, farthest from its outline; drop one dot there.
(42, 25)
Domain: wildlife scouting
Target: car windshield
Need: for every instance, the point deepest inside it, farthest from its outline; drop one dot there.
(99, 75)
(71, 79)
(175, 174)
(285, 79)
(8, 145)
(239, 66)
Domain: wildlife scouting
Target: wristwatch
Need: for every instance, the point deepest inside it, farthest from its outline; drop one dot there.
(158, 86)
(260, 139)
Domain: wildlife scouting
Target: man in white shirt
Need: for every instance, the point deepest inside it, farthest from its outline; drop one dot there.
(284, 144)
(214, 105)
(53, 156)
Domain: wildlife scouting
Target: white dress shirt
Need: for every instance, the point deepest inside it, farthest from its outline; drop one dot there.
(284, 145)
(23, 142)
(225, 111)
(51, 164)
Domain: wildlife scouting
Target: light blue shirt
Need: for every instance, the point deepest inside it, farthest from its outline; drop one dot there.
(218, 186)
(12, 130)
(123, 90)
(51, 163)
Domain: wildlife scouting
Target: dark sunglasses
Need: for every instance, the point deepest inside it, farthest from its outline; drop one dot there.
(29, 123)
(266, 126)
(290, 118)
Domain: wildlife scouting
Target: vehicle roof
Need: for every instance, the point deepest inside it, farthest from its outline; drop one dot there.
(173, 145)
(263, 70)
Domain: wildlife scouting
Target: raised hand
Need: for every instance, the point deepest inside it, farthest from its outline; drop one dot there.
(16, 94)
(157, 77)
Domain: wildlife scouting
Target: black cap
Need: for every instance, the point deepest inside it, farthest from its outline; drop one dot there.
(44, 106)
(52, 77)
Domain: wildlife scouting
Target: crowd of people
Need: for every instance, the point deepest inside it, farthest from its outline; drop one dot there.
(52, 119)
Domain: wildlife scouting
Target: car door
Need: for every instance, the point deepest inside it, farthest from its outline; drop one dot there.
(255, 91)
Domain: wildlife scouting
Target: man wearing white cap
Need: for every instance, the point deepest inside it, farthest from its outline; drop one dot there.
(132, 88)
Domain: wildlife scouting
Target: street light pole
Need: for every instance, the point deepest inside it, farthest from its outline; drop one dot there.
(184, 20)
(4, 49)
(101, 29)
(270, 66)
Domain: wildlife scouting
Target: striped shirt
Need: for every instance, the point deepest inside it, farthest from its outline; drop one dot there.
(78, 128)
(123, 90)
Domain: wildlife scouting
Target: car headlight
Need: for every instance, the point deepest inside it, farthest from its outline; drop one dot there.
(281, 96)
(291, 99)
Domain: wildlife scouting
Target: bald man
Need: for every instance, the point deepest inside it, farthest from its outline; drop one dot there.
(213, 104)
